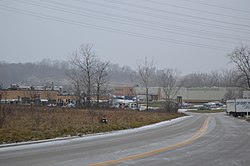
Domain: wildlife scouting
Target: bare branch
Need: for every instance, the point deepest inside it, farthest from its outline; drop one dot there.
(145, 71)
(241, 58)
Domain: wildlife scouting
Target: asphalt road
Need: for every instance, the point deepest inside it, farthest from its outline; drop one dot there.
(202, 139)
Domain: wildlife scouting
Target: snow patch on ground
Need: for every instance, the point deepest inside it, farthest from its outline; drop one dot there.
(182, 110)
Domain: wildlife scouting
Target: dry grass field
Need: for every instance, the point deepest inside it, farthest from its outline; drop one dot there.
(25, 123)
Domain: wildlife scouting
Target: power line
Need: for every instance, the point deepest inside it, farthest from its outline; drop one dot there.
(161, 29)
(167, 18)
(142, 21)
(217, 6)
(131, 24)
(107, 29)
(196, 10)
(178, 14)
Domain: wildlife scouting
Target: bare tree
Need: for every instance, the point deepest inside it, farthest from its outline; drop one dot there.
(88, 74)
(241, 58)
(86, 60)
(168, 79)
(101, 78)
(214, 79)
(145, 71)
(233, 94)
(119, 74)
(77, 79)
(228, 78)
(195, 80)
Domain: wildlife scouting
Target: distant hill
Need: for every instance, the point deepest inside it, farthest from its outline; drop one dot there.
(47, 71)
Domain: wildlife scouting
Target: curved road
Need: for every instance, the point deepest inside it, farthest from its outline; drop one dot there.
(201, 139)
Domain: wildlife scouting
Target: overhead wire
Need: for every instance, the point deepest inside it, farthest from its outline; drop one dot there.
(130, 21)
(143, 21)
(217, 6)
(163, 17)
(196, 10)
(176, 13)
(107, 29)
(150, 27)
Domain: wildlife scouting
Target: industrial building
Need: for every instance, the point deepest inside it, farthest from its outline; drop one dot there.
(190, 95)
(54, 94)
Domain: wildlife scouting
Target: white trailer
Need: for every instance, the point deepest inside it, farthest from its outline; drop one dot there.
(230, 106)
(238, 107)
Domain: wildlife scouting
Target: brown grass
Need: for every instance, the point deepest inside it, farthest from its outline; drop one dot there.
(207, 111)
(25, 123)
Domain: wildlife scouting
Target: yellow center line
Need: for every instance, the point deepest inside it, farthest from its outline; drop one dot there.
(189, 141)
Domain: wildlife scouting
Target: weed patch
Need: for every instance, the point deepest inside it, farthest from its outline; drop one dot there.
(26, 124)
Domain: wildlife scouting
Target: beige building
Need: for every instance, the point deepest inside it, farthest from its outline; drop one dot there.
(202, 94)
(123, 90)
(31, 95)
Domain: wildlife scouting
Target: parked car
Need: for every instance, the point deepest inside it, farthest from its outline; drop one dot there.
(185, 105)
(210, 105)
(218, 104)
(213, 104)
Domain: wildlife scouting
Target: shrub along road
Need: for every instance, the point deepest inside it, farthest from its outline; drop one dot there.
(202, 139)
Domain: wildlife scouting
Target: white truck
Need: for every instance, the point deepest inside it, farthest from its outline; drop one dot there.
(238, 107)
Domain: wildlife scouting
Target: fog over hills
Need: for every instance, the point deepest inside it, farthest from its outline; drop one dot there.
(47, 71)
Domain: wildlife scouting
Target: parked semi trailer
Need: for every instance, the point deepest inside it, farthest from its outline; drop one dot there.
(238, 107)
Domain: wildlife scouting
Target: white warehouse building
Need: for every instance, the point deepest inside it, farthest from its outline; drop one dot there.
(200, 94)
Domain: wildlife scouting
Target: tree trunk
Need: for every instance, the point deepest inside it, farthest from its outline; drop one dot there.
(97, 95)
(147, 100)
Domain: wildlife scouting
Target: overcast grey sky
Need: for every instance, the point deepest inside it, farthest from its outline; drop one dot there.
(189, 35)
